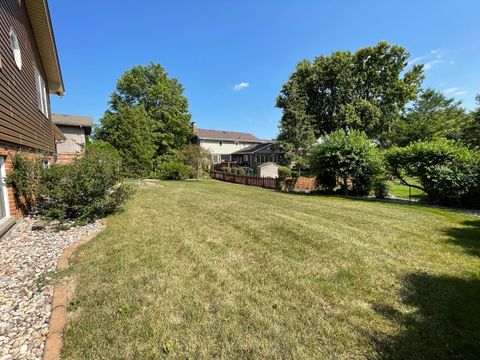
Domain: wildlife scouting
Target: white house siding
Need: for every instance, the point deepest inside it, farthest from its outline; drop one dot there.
(75, 140)
(227, 146)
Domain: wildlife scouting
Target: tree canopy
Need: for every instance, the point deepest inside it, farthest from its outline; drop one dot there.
(471, 132)
(365, 90)
(160, 108)
(431, 117)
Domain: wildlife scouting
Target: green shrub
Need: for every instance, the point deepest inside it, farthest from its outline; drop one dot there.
(24, 179)
(284, 172)
(224, 169)
(89, 188)
(241, 171)
(381, 188)
(351, 157)
(174, 171)
(447, 171)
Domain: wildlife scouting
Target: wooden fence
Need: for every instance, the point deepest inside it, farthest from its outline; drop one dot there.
(246, 180)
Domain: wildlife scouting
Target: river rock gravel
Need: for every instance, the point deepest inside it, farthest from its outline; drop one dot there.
(28, 260)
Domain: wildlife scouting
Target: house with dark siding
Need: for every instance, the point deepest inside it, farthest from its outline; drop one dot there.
(29, 74)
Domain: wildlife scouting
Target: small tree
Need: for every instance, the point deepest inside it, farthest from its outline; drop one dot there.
(351, 157)
(447, 170)
(296, 130)
(197, 157)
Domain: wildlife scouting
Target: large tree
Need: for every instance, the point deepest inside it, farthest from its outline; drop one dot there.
(431, 117)
(163, 100)
(365, 90)
(297, 134)
(130, 130)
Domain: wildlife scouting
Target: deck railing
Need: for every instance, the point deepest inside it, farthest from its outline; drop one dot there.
(246, 180)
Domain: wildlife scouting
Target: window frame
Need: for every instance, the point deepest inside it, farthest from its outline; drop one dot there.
(42, 96)
(4, 191)
(16, 50)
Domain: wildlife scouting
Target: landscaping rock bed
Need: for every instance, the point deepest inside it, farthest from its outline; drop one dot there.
(28, 259)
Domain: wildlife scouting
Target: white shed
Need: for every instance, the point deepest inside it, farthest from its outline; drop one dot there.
(268, 170)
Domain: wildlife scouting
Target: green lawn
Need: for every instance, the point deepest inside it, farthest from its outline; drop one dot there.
(204, 270)
(398, 190)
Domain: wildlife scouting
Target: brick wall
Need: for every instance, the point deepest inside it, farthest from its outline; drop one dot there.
(305, 184)
(63, 159)
(8, 151)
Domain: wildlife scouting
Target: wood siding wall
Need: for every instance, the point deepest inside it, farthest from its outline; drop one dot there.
(75, 142)
(21, 121)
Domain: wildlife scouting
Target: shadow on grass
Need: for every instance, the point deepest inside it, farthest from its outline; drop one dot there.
(444, 325)
(467, 236)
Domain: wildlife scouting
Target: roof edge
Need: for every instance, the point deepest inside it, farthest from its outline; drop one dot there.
(43, 32)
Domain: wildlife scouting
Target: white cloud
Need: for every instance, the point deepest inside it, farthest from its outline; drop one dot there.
(241, 86)
(450, 90)
(439, 53)
(454, 91)
(434, 57)
(430, 64)
(417, 59)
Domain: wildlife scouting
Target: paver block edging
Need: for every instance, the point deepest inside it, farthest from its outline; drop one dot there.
(58, 316)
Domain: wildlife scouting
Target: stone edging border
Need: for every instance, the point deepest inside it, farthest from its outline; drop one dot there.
(58, 315)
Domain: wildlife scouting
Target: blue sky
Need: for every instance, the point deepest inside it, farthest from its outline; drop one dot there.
(232, 56)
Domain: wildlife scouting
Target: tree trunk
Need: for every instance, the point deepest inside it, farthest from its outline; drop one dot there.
(345, 185)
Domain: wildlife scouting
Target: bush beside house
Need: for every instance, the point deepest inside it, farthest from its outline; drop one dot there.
(89, 188)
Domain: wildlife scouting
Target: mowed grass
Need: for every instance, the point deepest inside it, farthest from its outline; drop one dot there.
(398, 190)
(211, 270)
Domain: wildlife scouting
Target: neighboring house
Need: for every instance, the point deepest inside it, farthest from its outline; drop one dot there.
(76, 130)
(257, 154)
(222, 144)
(29, 72)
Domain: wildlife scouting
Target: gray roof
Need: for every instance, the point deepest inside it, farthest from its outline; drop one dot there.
(225, 135)
(72, 120)
(252, 149)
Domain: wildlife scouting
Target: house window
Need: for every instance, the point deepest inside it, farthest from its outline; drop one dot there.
(220, 143)
(17, 55)
(41, 94)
